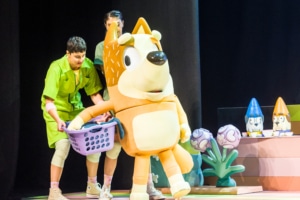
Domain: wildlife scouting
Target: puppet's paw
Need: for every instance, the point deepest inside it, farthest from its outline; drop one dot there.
(76, 123)
(139, 196)
(180, 189)
(185, 133)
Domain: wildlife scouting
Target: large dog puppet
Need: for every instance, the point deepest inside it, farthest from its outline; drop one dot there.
(142, 97)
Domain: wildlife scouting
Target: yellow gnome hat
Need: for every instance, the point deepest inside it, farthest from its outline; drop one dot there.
(280, 108)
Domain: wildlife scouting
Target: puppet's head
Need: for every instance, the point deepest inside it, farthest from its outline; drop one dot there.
(135, 64)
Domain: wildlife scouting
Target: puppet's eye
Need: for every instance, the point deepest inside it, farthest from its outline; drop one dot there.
(251, 120)
(131, 58)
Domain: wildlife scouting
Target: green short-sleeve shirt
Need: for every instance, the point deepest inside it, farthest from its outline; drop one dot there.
(60, 85)
(98, 60)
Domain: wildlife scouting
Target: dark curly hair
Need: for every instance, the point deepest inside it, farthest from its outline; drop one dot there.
(76, 44)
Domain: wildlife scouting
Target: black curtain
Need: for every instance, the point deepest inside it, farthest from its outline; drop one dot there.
(10, 94)
(41, 37)
(249, 48)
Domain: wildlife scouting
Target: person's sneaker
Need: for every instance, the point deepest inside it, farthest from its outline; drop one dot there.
(154, 194)
(55, 194)
(105, 193)
(93, 190)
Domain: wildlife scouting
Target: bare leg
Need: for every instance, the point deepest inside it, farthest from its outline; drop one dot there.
(110, 166)
(92, 168)
(55, 173)
(109, 169)
(55, 192)
(93, 187)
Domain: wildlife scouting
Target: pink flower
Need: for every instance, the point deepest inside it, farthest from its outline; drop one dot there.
(228, 136)
(200, 139)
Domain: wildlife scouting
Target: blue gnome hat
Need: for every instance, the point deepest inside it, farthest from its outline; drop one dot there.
(254, 109)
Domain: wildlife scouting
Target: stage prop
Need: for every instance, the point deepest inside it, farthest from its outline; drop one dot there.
(213, 190)
(202, 140)
(272, 160)
(94, 137)
(295, 118)
(281, 119)
(254, 119)
(228, 137)
(219, 164)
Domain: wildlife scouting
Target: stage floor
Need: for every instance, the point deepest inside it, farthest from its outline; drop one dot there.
(203, 193)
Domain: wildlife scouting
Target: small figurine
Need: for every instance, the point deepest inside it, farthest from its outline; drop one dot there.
(254, 119)
(281, 119)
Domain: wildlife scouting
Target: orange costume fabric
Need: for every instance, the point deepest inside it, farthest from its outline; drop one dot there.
(142, 97)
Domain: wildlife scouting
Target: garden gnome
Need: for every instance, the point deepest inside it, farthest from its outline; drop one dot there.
(281, 119)
(254, 119)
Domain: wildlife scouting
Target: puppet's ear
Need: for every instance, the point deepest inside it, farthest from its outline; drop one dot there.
(141, 27)
(156, 34)
(126, 38)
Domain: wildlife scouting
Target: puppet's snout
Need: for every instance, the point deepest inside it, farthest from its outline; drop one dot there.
(157, 57)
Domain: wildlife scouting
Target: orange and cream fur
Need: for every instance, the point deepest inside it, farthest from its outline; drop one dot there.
(142, 97)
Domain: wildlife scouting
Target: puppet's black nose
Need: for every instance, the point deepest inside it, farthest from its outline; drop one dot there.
(157, 57)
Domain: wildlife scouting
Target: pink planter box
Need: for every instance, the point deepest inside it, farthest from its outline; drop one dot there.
(273, 163)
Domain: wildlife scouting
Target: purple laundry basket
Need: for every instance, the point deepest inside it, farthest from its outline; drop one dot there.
(94, 139)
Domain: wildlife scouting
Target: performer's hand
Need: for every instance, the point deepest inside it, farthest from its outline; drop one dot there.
(60, 125)
(103, 118)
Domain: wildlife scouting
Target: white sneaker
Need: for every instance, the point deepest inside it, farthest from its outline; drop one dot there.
(105, 193)
(55, 194)
(93, 190)
(154, 194)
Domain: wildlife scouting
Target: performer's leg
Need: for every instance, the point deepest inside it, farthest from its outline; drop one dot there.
(93, 188)
(62, 148)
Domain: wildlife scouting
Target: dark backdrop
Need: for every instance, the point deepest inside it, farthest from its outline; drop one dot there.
(247, 49)
(35, 34)
(10, 97)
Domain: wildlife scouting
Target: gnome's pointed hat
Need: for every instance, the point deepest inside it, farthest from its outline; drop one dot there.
(254, 109)
(280, 108)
